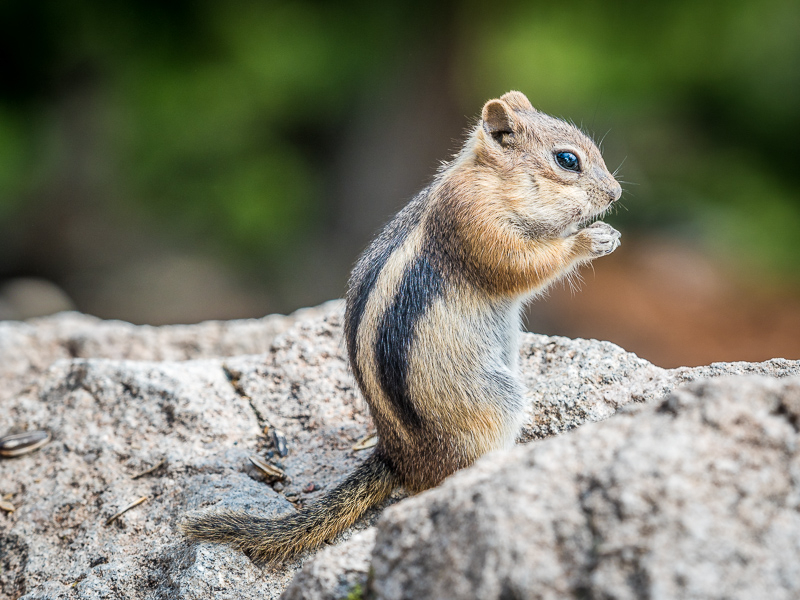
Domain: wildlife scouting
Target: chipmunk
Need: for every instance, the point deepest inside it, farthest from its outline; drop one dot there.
(433, 315)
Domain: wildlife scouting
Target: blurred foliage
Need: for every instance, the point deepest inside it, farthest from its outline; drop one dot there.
(703, 99)
(210, 108)
(218, 119)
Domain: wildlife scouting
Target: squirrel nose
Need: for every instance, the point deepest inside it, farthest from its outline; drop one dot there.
(615, 192)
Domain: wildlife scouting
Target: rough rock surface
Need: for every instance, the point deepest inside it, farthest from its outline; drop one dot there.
(120, 400)
(694, 496)
(335, 571)
(28, 347)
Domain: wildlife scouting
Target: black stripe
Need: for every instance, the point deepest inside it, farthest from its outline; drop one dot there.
(366, 272)
(421, 284)
(357, 302)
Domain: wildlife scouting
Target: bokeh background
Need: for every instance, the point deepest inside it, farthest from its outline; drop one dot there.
(165, 162)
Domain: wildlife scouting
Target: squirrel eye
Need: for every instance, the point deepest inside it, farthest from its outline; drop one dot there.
(568, 161)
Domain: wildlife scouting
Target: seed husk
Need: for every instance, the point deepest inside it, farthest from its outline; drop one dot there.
(279, 439)
(18, 444)
(269, 470)
(126, 509)
(151, 469)
(366, 442)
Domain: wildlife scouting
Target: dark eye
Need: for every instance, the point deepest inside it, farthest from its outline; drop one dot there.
(568, 161)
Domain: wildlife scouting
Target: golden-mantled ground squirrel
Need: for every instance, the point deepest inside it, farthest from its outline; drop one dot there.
(433, 314)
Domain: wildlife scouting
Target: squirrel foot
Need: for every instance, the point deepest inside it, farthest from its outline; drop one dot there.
(603, 238)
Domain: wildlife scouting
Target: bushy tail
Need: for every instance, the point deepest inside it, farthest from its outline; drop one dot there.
(277, 540)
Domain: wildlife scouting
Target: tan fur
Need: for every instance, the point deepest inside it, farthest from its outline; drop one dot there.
(385, 289)
(437, 296)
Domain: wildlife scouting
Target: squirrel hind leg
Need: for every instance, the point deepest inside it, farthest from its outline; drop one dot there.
(268, 541)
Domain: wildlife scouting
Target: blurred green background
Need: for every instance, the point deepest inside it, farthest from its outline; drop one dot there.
(172, 162)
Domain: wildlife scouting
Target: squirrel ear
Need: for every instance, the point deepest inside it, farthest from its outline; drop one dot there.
(517, 100)
(496, 118)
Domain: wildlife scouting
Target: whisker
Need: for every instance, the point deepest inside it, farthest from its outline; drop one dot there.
(620, 166)
(600, 143)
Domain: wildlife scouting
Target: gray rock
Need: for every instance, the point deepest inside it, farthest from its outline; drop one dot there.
(571, 381)
(694, 496)
(198, 400)
(32, 346)
(113, 419)
(336, 571)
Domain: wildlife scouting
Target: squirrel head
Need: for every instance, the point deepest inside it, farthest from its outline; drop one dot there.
(548, 173)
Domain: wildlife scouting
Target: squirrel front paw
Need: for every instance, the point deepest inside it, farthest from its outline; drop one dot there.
(603, 238)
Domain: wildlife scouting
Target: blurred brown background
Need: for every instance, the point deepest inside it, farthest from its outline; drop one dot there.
(174, 162)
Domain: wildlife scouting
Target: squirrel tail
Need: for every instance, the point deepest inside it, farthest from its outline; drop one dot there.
(278, 540)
